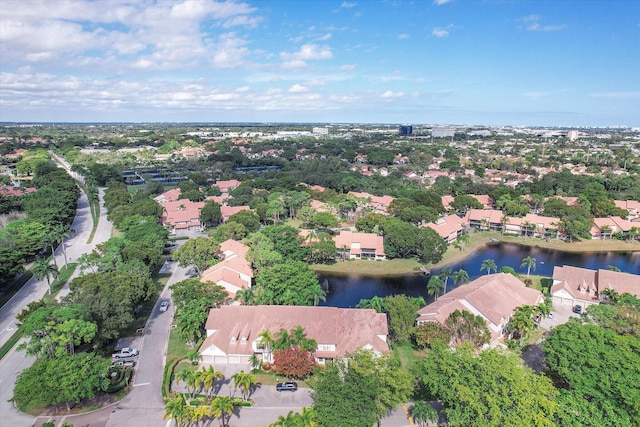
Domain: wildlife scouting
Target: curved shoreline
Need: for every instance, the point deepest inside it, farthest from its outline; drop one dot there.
(477, 241)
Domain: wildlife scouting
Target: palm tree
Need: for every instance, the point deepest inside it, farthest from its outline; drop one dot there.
(460, 276)
(605, 232)
(423, 413)
(489, 265)
(308, 417)
(297, 335)
(434, 286)
(266, 339)
(175, 408)
(444, 275)
(461, 241)
(50, 240)
(530, 263)
(521, 322)
(505, 220)
(190, 379)
(526, 226)
(254, 361)
(42, 269)
(243, 381)
(283, 340)
(61, 232)
(291, 420)
(633, 233)
(208, 377)
(221, 407)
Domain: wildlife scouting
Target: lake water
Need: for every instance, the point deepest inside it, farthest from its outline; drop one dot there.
(347, 291)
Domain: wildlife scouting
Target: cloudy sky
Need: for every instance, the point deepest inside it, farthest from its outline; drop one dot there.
(540, 62)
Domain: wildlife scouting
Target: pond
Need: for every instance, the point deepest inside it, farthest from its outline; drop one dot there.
(347, 291)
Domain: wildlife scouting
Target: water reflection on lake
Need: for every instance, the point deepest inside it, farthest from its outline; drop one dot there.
(347, 291)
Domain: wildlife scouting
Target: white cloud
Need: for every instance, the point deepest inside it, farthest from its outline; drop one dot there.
(631, 94)
(297, 88)
(308, 52)
(391, 94)
(403, 36)
(440, 32)
(348, 67)
(325, 37)
(347, 5)
(532, 23)
(294, 64)
(440, 2)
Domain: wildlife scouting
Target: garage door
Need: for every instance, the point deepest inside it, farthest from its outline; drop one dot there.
(234, 359)
(220, 360)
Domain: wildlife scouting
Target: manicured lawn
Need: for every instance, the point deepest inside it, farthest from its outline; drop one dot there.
(407, 354)
(371, 268)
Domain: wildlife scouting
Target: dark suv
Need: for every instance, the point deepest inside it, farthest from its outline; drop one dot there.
(577, 309)
(288, 386)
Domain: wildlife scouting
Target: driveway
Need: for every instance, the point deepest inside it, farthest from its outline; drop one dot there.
(561, 315)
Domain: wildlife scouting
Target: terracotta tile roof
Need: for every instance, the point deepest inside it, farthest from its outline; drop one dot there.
(615, 224)
(580, 281)
(633, 206)
(358, 241)
(619, 282)
(447, 227)
(492, 215)
(168, 196)
(494, 296)
(446, 201)
(226, 186)
(234, 269)
(182, 211)
(349, 329)
(486, 201)
(228, 211)
(319, 206)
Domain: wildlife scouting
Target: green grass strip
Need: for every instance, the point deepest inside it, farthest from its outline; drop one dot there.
(11, 342)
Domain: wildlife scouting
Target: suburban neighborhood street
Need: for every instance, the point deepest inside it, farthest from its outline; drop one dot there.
(15, 361)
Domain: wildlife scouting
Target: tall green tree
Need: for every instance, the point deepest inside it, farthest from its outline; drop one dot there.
(293, 283)
(529, 263)
(43, 270)
(200, 252)
(434, 286)
(491, 388)
(358, 391)
(489, 265)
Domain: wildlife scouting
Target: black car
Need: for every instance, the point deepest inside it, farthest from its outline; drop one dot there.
(577, 309)
(288, 386)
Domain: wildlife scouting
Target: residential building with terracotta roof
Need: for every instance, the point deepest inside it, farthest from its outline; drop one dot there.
(605, 228)
(449, 227)
(360, 245)
(233, 331)
(226, 186)
(227, 211)
(168, 196)
(633, 206)
(8, 190)
(495, 297)
(182, 215)
(581, 286)
(234, 272)
(485, 219)
(379, 204)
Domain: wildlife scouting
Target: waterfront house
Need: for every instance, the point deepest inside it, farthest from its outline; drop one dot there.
(234, 272)
(584, 287)
(494, 297)
(352, 245)
(233, 331)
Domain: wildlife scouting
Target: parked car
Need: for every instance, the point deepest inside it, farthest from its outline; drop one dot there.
(550, 316)
(288, 386)
(164, 306)
(125, 352)
(577, 309)
(124, 363)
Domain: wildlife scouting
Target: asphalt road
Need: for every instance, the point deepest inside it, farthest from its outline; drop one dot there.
(14, 362)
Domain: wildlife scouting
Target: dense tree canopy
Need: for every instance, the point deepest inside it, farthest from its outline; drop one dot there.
(489, 389)
(358, 391)
(291, 283)
(599, 375)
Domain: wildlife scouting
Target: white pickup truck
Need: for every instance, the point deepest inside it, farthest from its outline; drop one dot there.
(125, 352)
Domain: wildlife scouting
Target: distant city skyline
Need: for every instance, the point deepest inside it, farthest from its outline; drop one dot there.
(494, 62)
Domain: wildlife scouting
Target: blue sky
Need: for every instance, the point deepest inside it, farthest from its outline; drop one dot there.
(491, 62)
